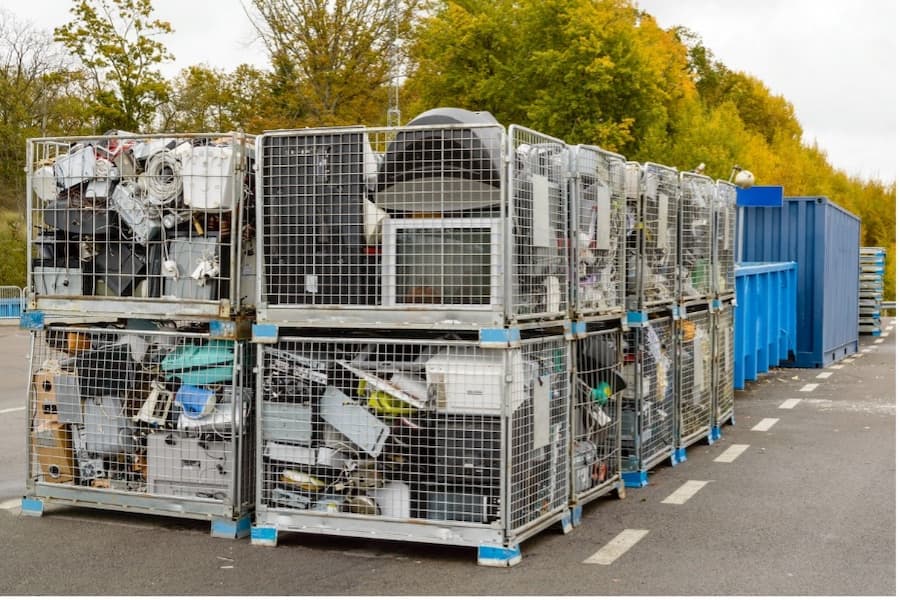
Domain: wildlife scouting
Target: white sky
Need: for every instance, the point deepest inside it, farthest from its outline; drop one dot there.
(834, 61)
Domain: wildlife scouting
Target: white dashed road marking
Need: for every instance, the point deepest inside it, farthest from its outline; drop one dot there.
(618, 546)
(809, 387)
(731, 453)
(867, 350)
(764, 425)
(838, 366)
(849, 360)
(685, 492)
(879, 341)
(9, 410)
(790, 403)
(824, 375)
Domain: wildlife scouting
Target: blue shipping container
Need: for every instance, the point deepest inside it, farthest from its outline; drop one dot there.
(765, 318)
(823, 239)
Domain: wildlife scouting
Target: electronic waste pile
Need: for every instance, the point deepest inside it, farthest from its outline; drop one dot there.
(452, 331)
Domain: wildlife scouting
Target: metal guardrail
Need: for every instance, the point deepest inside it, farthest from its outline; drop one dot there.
(12, 302)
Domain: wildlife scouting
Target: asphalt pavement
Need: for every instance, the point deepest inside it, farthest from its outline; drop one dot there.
(797, 498)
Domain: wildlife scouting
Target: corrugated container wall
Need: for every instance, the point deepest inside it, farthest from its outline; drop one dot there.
(823, 239)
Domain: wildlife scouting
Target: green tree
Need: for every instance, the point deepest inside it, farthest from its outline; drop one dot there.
(116, 41)
(332, 58)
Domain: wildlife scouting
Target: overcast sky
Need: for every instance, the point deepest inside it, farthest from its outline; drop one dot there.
(834, 61)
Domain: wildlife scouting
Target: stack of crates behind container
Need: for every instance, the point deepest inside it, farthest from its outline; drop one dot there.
(151, 420)
(648, 403)
(696, 210)
(152, 415)
(391, 238)
(694, 382)
(652, 192)
(871, 289)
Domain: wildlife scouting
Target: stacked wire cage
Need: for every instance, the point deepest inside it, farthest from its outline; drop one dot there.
(723, 305)
(140, 276)
(652, 192)
(696, 205)
(648, 403)
(694, 381)
(413, 372)
(598, 214)
(871, 289)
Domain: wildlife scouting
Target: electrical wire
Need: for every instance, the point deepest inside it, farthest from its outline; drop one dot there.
(161, 179)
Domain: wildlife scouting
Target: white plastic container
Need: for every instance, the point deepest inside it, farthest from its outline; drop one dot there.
(207, 175)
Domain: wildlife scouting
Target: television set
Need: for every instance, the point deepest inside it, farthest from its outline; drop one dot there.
(442, 262)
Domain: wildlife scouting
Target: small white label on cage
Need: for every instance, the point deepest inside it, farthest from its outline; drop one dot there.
(540, 211)
(662, 231)
(311, 284)
(541, 400)
(699, 363)
(604, 217)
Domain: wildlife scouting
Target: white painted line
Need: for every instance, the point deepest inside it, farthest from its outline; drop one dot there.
(618, 546)
(685, 492)
(824, 375)
(790, 403)
(838, 366)
(731, 453)
(809, 387)
(9, 410)
(764, 425)
(11, 504)
(867, 350)
(879, 341)
(849, 360)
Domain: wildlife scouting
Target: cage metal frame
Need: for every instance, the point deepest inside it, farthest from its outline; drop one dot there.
(694, 402)
(650, 346)
(651, 285)
(229, 512)
(606, 467)
(598, 272)
(235, 297)
(724, 239)
(723, 349)
(514, 519)
(513, 304)
(696, 218)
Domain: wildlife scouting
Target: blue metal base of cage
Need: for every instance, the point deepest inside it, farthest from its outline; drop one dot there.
(635, 479)
(499, 556)
(32, 507)
(679, 456)
(231, 530)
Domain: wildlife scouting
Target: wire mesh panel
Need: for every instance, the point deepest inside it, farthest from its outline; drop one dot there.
(724, 364)
(695, 377)
(150, 225)
(633, 262)
(653, 274)
(368, 436)
(648, 401)
(725, 238)
(695, 246)
(598, 386)
(598, 215)
(141, 420)
(414, 226)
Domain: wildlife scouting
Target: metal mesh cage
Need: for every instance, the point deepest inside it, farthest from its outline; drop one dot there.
(724, 364)
(695, 250)
(368, 435)
(596, 412)
(155, 420)
(149, 225)
(695, 376)
(725, 237)
(652, 252)
(648, 403)
(598, 214)
(412, 226)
